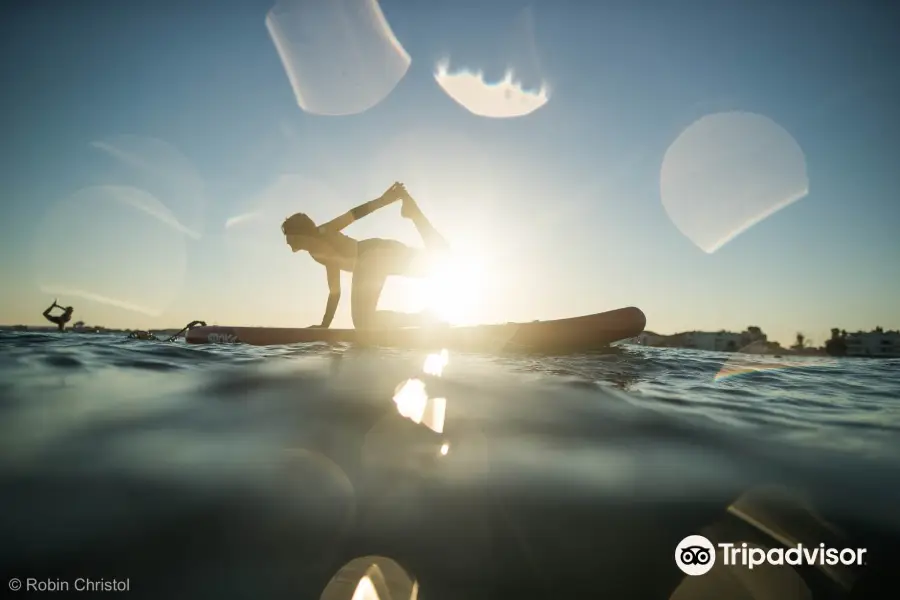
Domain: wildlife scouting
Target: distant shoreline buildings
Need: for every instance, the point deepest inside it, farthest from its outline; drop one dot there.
(870, 344)
(877, 343)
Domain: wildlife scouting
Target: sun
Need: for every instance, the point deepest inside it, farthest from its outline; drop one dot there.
(453, 290)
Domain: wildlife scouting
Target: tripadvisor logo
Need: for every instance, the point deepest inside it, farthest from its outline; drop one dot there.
(696, 555)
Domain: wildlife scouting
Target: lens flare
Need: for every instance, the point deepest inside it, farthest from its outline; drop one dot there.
(503, 99)
(726, 173)
(340, 56)
(371, 578)
(162, 171)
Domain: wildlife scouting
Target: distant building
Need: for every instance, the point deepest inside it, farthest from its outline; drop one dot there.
(718, 341)
(876, 343)
(721, 341)
(648, 338)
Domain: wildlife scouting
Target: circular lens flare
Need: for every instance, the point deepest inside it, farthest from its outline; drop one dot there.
(340, 56)
(726, 173)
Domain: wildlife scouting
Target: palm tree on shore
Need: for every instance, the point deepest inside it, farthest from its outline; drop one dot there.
(837, 346)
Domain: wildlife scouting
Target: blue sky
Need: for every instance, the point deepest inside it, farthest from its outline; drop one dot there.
(560, 210)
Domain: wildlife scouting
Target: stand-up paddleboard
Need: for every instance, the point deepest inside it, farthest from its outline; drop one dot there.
(562, 335)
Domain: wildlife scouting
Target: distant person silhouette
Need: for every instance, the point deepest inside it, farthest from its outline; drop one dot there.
(371, 261)
(61, 319)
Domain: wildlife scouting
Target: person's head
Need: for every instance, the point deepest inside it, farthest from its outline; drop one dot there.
(299, 231)
(67, 310)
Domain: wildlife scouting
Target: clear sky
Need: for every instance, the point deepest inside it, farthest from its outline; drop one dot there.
(150, 151)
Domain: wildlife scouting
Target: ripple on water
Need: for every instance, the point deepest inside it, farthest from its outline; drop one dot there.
(290, 461)
(55, 386)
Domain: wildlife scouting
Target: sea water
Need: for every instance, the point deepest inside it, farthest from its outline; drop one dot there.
(235, 471)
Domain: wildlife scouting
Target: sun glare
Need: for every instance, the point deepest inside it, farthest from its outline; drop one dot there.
(454, 288)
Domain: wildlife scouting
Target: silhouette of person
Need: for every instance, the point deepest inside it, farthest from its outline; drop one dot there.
(61, 319)
(371, 261)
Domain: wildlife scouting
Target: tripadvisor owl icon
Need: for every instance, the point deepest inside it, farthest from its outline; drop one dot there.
(695, 555)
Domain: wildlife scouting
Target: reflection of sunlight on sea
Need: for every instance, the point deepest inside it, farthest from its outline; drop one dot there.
(413, 401)
(435, 363)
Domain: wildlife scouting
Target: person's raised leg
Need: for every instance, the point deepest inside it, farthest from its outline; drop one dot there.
(46, 313)
(434, 241)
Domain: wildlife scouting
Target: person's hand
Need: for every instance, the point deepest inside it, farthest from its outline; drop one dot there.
(395, 192)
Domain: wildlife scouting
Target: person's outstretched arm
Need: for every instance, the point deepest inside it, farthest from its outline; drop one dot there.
(334, 295)
(391, 195)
